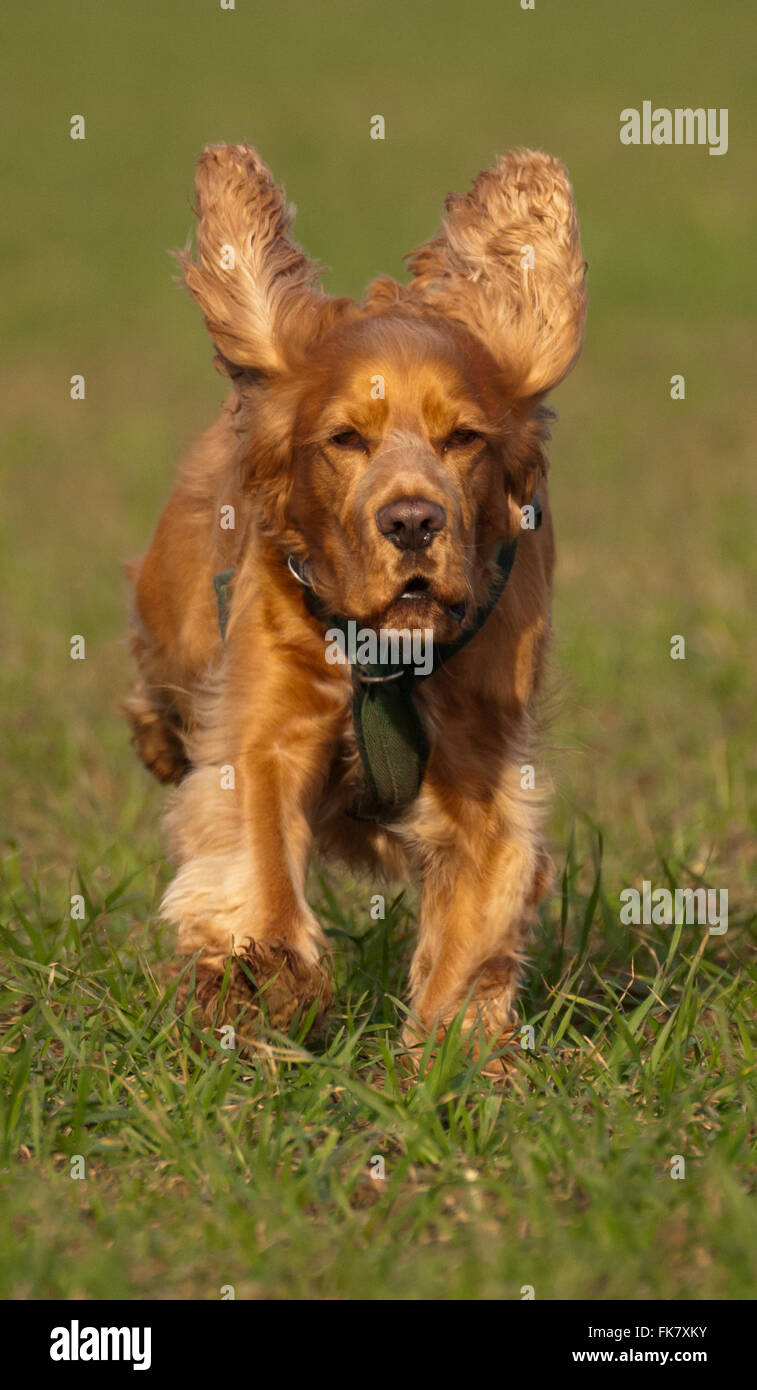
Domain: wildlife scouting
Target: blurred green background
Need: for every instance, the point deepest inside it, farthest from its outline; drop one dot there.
(655, 500)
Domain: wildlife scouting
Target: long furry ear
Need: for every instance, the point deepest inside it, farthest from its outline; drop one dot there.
(507, 263)
(256, 288)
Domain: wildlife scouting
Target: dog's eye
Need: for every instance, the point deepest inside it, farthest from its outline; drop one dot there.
(460, 439)
(347, 439)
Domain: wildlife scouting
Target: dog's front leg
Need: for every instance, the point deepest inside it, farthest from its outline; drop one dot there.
(241, 835)
(486, 872)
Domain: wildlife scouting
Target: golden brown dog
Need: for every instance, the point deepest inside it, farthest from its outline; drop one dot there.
(373, 462)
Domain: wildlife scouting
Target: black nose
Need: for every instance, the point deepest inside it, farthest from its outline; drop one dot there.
(411, 523)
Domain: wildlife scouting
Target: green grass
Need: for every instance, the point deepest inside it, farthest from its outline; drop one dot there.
(203, 1170)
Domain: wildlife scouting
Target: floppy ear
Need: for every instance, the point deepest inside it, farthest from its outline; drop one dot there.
(507, 263)
(256, 288)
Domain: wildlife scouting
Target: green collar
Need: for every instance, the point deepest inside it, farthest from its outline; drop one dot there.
(390, 735)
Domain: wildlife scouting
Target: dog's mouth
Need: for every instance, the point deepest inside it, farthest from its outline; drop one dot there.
(418, 593)
(418, 589)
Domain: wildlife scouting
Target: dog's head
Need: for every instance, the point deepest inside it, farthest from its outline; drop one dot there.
(392, 444)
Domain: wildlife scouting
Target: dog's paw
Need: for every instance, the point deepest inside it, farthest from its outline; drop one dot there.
(265, 984)
(483, 1040)
(156, 739)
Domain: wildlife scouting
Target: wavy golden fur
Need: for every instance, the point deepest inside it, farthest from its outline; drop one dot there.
(313, 459)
